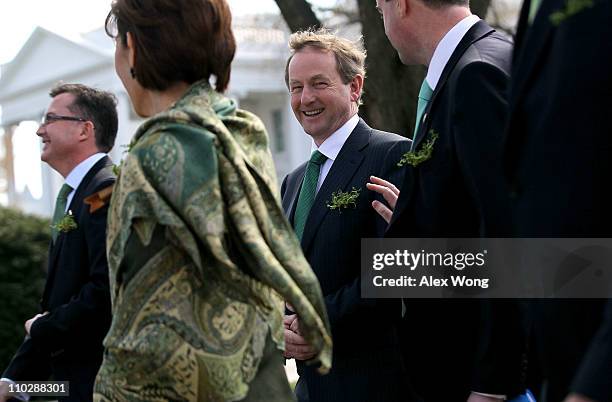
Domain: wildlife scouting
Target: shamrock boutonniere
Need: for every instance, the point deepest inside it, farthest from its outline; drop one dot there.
(342, 200)
(415, 158)
(572, 7)
(66, 224)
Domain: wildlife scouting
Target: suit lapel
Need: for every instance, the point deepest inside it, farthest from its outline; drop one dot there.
(349, 159)
(75, 206)
(475, 33)
(293, 190)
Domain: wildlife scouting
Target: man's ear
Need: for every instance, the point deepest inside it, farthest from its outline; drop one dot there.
(403, 7)
(88, 131)
(131, 50)
(356, 87)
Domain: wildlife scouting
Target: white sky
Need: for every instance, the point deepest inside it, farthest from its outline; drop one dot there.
(18, 18)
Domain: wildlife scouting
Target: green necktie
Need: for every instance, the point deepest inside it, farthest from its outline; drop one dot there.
(424, 98)
(533, 9)
(60, 209)
(308, 192)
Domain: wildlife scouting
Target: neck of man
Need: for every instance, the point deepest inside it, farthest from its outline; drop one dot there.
(321, 139)
(68, 163)
(442, 21)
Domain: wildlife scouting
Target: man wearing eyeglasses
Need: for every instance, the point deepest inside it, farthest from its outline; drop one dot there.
(64, 341)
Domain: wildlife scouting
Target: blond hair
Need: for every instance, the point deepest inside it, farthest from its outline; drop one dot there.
(350, 56)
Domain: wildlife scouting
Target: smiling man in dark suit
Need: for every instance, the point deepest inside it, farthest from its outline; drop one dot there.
(65, 340)
(454, 189)
(326, 201)
(558, 162)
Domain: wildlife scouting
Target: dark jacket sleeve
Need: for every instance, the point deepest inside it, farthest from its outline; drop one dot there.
(479, 117)
(28, 364)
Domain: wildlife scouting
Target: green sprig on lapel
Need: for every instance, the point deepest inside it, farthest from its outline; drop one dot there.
(342, 200)
(415, 158)
(572, 7)
(66, 224)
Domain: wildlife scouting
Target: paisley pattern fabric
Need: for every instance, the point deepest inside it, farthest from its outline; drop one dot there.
(201, 259)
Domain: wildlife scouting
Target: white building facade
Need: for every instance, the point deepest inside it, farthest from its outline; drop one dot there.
(257, 83)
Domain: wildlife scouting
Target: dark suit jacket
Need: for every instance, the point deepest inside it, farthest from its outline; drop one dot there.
(558, 163)
(67, 343)
(464, 345)
(366, 364)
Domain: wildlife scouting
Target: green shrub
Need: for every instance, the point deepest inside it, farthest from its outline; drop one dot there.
(24, 242)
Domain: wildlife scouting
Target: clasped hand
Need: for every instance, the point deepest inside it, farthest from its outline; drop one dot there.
(296, 347)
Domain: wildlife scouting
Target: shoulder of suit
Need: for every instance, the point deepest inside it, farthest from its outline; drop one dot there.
(491, 52)
(295, 171)
(102, 179)
(384, 138)
(495, 48)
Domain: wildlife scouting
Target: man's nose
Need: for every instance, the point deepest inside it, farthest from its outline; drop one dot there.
(308, 95)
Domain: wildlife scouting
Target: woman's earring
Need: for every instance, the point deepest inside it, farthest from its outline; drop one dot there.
(132, 73)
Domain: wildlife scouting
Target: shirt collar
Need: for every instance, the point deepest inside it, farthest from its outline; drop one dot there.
(446, 47)
(76, 175)
(333, 144)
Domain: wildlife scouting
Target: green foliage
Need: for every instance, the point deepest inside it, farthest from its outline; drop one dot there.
(341, 200)
(66, 224)
(416, 158)
(24, 241)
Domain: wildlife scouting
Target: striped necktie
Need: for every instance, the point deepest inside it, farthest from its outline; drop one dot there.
(307, 192)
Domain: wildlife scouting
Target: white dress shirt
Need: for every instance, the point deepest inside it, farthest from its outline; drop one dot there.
(445, 49)
(76, 175)
(332, 145)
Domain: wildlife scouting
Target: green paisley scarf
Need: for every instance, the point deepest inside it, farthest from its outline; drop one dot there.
(201, 258)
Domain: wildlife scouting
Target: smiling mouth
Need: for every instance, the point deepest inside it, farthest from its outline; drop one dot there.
(311, 113)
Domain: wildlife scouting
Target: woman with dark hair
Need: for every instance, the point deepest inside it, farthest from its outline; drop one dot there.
(200, 254)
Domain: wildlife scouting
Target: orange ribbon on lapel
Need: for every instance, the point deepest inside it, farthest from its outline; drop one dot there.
(99, 199)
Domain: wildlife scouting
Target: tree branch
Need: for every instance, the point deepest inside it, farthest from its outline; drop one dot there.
(298, 14)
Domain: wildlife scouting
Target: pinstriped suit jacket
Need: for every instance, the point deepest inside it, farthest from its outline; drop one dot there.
(366, 361)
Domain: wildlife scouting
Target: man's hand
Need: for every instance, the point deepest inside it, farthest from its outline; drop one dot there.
(295, 325)
(296, 346)
(4, 391)
(28, 323)
(474, 397)
(577, 398)
(288, 320)
(389, 192)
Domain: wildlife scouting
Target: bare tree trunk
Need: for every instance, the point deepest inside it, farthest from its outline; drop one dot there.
(391, 89)
(298, 14)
